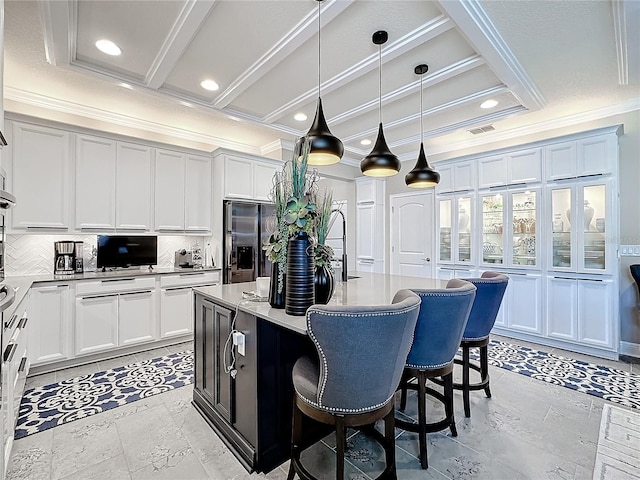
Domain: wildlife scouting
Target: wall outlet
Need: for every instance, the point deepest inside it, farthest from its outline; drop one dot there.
(239, 342)
(630, 250)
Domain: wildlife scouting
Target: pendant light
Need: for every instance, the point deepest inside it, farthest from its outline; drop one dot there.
(380, 162)
(422, 175)
(325, 148)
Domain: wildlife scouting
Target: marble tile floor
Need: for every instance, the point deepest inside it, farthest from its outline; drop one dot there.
(528, 430)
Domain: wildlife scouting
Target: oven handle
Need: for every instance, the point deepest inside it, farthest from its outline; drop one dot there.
(9, 299)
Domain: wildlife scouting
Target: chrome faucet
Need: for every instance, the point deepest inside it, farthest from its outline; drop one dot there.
(344, 244)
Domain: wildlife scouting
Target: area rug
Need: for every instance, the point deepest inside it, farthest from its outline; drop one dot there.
(617, 386)
(59, 403)
(618, 454)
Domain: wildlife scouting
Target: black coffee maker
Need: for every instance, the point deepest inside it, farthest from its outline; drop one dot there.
(66, 254)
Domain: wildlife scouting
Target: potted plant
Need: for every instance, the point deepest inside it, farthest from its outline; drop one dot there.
(324, 277)
(276, 245)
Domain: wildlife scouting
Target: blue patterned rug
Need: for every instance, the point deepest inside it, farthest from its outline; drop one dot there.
(45, 407)
(59, 403)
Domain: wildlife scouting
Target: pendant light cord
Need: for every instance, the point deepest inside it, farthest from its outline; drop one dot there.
(380, 83)
(319, 49)
(421, 109)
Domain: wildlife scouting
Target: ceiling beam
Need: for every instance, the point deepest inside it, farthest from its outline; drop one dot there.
(58, 22)
(474, 24)
(193, 14)
(417, 37)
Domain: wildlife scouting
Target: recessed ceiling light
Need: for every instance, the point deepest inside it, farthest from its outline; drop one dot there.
(186, 104)
(209, 85)
(366, 141)
(125, 85)
(108, 47)
(489, 103)
(235, 119)
(301, 117)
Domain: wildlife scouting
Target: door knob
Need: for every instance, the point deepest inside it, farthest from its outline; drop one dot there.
(426, 259)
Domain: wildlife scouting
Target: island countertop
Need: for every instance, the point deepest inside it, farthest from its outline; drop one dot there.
(368, 289)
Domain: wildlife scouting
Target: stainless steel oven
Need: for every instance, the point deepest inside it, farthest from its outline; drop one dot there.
(6, 201)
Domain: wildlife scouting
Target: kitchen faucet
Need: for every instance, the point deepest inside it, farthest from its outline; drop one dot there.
(344, 244)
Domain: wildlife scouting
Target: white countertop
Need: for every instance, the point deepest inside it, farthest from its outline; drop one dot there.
(369, 289)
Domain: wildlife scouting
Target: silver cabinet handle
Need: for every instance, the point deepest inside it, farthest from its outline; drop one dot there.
(9, 352)
(426, 259)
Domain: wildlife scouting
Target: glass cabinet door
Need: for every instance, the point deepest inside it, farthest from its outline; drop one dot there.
(593, 224)
(465, 216)
(524, 208)
(562, 238)
(445, 231)
(492, 228)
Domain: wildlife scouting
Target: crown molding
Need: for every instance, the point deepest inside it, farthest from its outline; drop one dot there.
(540, 127)
(66, 107)
(620, 31)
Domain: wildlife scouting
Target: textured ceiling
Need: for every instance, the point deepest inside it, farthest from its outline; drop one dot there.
(555, 57)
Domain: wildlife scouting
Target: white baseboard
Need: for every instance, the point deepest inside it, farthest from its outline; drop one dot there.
(630, 349)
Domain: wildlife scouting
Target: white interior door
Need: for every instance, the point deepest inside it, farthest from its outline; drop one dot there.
(412, 231)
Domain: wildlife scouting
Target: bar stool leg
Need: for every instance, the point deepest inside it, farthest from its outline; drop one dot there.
(448, 405)
(484, 368)
(403, 392)
(295, 440)
(341, 442)
(422, 418)
(465, 380)
(389, 448)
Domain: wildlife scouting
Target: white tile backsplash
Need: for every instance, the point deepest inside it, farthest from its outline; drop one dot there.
(33, 254)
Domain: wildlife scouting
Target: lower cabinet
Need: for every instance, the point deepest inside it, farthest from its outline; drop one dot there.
(137, 320)
(96, 324)
(523, 301)
(50, 333)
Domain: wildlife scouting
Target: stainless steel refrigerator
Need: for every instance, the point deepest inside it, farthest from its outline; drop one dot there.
(246, 225)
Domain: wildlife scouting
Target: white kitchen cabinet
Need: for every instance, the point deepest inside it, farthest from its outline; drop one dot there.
(456, 222)
(580, 310)
(50, 330)
(95, 183)
(370, 190)
(40, 177)
(263, 180)
(248, 178)
(587, 156)
(137, 321)
(96, 323)
(520, 166)
(524, 301)
(370, 222)
(457, 177)
(197, 189)
(169, 191)
(492, 171)
(133, 187)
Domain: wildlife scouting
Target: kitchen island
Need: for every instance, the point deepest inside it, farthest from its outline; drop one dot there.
(245, 390)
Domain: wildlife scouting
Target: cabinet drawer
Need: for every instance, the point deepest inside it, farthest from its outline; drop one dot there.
(115, 285)
(189, 278)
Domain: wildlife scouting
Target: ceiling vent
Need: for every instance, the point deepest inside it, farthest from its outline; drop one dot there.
(479, 130)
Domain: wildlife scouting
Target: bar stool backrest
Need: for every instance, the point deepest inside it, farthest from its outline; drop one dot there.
(491, 287)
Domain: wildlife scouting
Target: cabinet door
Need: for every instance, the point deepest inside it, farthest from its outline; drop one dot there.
(50, 329)
(204, 349)
(594, 213)
(464, 176)
(370, 190)
(524, 302)
(445, 238)
(464, 251)
(493, 229)
(96, 324)
(137, 321)
(562, 251)
(596, 155)
(365, 265)
(595, 312)
(95, 183)
(525, 166)
(176, 312)
(560, 160)
(223, 400)
(446, 179)
(238, 178)
(366, 231)
(263, 181)
(198, 194)
(169, 191)
(523, 250)
(40, 177)
(133, 187)
(562, 308)
(492, 171)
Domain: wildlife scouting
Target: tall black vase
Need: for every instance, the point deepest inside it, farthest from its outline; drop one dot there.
(300, 269)
(276, 300)
(324, 284)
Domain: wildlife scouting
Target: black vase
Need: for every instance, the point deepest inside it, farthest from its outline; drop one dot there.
(300, 293)
(276, 300)
(324, 284)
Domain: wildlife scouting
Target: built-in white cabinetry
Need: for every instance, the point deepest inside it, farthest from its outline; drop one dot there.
(50, 332)
(457, 177)
(176, 301)
(524, 302)
(370, 224)
(593, 155)
(114, 313)
(40, 177)
(456, 223)
(248, 178)
(521, 166)
(182, 192)
(133, 187)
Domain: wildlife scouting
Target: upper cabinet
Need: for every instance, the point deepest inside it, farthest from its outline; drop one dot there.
(40, 177)
(133, 187)
(522, 166)
(182, 192)
(582, 157)
(247, 178)
(457, 177)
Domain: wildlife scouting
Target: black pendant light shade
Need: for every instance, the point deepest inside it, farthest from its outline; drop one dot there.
(380, 162)
(325, 148)
(422, 175)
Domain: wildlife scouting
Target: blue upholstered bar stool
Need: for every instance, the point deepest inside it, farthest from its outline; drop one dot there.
(362, 351)
(443, 317)
(490, 291)
(635, 273)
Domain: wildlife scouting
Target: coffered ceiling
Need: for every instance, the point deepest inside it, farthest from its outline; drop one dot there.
(540, 61)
